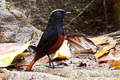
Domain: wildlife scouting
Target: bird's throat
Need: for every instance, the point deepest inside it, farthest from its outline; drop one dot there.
(56, 23)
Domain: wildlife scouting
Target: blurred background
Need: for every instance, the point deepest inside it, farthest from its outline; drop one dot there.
(101, 16)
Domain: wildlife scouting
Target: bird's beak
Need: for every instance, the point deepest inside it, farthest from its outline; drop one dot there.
(67, 12)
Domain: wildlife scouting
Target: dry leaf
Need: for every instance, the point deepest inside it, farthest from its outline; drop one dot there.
(109, 57)
(63, 63)
(104, 50)
(23, 63)
(99, 40)
(81, 64)
(21, 55)
(80, 44)
(63, 52)
(9, 51)
(115, 65)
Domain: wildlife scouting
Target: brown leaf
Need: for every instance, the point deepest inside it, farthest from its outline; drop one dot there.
(80, 44)
(115, 65)
(99, 40)
(109, 57)
(23, 63)
(104, 50)
(63, 63)
(27, 60)
(21, 55)
(81, 64)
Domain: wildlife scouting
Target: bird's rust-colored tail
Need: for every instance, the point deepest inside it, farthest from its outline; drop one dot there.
(30, 65)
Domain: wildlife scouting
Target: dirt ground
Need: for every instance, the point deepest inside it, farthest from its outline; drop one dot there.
(80, 67)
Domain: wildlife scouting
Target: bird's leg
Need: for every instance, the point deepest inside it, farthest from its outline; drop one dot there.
(50, 62)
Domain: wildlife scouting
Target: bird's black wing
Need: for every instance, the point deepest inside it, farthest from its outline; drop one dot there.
(48, 39)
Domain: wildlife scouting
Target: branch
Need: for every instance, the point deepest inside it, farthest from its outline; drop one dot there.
(86, 7)
(106, 14)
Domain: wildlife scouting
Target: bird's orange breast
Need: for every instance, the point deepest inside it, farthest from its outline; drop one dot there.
(57, 45)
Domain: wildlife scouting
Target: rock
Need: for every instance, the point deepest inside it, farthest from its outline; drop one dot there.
(2, 4)
(14, 27)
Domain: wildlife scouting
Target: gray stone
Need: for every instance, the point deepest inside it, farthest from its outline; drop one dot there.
(14, 27)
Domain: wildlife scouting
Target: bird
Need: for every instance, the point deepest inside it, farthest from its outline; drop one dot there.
(52, 37)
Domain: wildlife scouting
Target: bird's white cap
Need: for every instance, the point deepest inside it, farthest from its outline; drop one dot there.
(57, 10)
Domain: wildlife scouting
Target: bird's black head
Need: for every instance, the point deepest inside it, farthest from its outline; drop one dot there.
(55, 22)
(59, 13)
